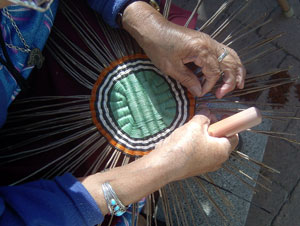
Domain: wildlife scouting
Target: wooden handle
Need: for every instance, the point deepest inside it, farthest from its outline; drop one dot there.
(236, 123)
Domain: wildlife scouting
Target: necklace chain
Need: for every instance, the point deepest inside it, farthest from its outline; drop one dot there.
(11, 46)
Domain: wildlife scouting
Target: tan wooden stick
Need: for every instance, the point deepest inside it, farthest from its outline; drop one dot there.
(236, 123)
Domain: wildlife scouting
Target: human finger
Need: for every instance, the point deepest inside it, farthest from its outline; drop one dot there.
(186, 77)
(224, 147)
(241, 77)
(229, 84)
(211, 71)
(232, 62)
(232, 142)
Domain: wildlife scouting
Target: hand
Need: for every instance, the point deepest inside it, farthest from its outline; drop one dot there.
(190, 151)
(170, 47)
(187, 152)
(4, 3)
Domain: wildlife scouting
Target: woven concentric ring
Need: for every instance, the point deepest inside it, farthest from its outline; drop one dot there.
(135, 106)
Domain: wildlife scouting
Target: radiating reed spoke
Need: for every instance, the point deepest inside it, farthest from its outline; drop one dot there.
(166, 207)
(261, 55)
(47, 165)
(174, 206)
(93, 75)
(228, 164)
(248, 49)
(47, 147)
(87, 154)
(248, 32)
(213, 202)
(167, 7)
(235, 174)
(199, 207)
(246, 157)
(95, 167)
(230, 18)
(279, 137)
(49, 98)
(224, 199)
(193, 13)
(219, 12)
(89, 36)
(33, 109)
(81, 54)
(238, 196)
(75, 116)
(239, 29)
(81, 153)
(60, 121)
(251, 168)
(178, 202)
(190, 204)
(43, 127)
(68, 67)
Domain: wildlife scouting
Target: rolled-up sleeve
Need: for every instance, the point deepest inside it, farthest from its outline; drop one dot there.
(63, 201)
(108, 9)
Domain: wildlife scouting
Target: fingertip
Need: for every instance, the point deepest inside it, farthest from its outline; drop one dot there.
(196, 90)
(203, 93)
(241, 78)
(241, 85)
(219, 94)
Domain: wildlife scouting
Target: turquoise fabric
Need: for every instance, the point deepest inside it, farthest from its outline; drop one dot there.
(142, 104)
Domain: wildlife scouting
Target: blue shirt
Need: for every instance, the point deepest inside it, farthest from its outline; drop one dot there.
(64, 200)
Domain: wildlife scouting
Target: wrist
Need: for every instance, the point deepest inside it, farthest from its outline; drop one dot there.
(141, 20)
(5, 3)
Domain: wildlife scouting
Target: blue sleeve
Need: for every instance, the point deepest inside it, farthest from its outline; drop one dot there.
(63, 201)
(3, 104)
(108, 9)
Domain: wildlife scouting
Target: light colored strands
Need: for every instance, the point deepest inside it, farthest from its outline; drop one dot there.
(235, 174)
(49, 164)
(193, 13)
(229, 206)
(219, 12)
(89, 36)
(186, 200)
(246, 157)
(69, 67)
(230, 18)
(196, 201)
(167, 8)
(213, 202)
(247, 32)
(247, 176)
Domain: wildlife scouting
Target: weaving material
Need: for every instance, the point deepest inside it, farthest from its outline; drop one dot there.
(99, 103)
(134, 106)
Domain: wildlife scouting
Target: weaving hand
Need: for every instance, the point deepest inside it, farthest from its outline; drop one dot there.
(187, 152)
(171, 47)
(190, 151)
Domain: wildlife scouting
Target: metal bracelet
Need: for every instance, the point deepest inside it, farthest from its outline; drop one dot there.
(115, 206)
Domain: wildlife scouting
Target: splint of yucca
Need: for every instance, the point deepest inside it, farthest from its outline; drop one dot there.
(125, 105)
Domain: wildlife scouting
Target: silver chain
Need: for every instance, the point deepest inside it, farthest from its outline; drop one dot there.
(11, 46)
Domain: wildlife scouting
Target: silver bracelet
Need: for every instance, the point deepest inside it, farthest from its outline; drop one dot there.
(115, 206)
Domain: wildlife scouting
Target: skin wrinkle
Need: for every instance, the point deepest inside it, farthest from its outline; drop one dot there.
(151, 172)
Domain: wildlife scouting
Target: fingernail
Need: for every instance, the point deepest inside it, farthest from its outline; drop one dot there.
(196, 90)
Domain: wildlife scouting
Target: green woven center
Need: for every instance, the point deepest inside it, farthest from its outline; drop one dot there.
(142, 104)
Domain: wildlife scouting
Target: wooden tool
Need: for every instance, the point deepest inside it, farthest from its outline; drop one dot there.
(236, 123)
